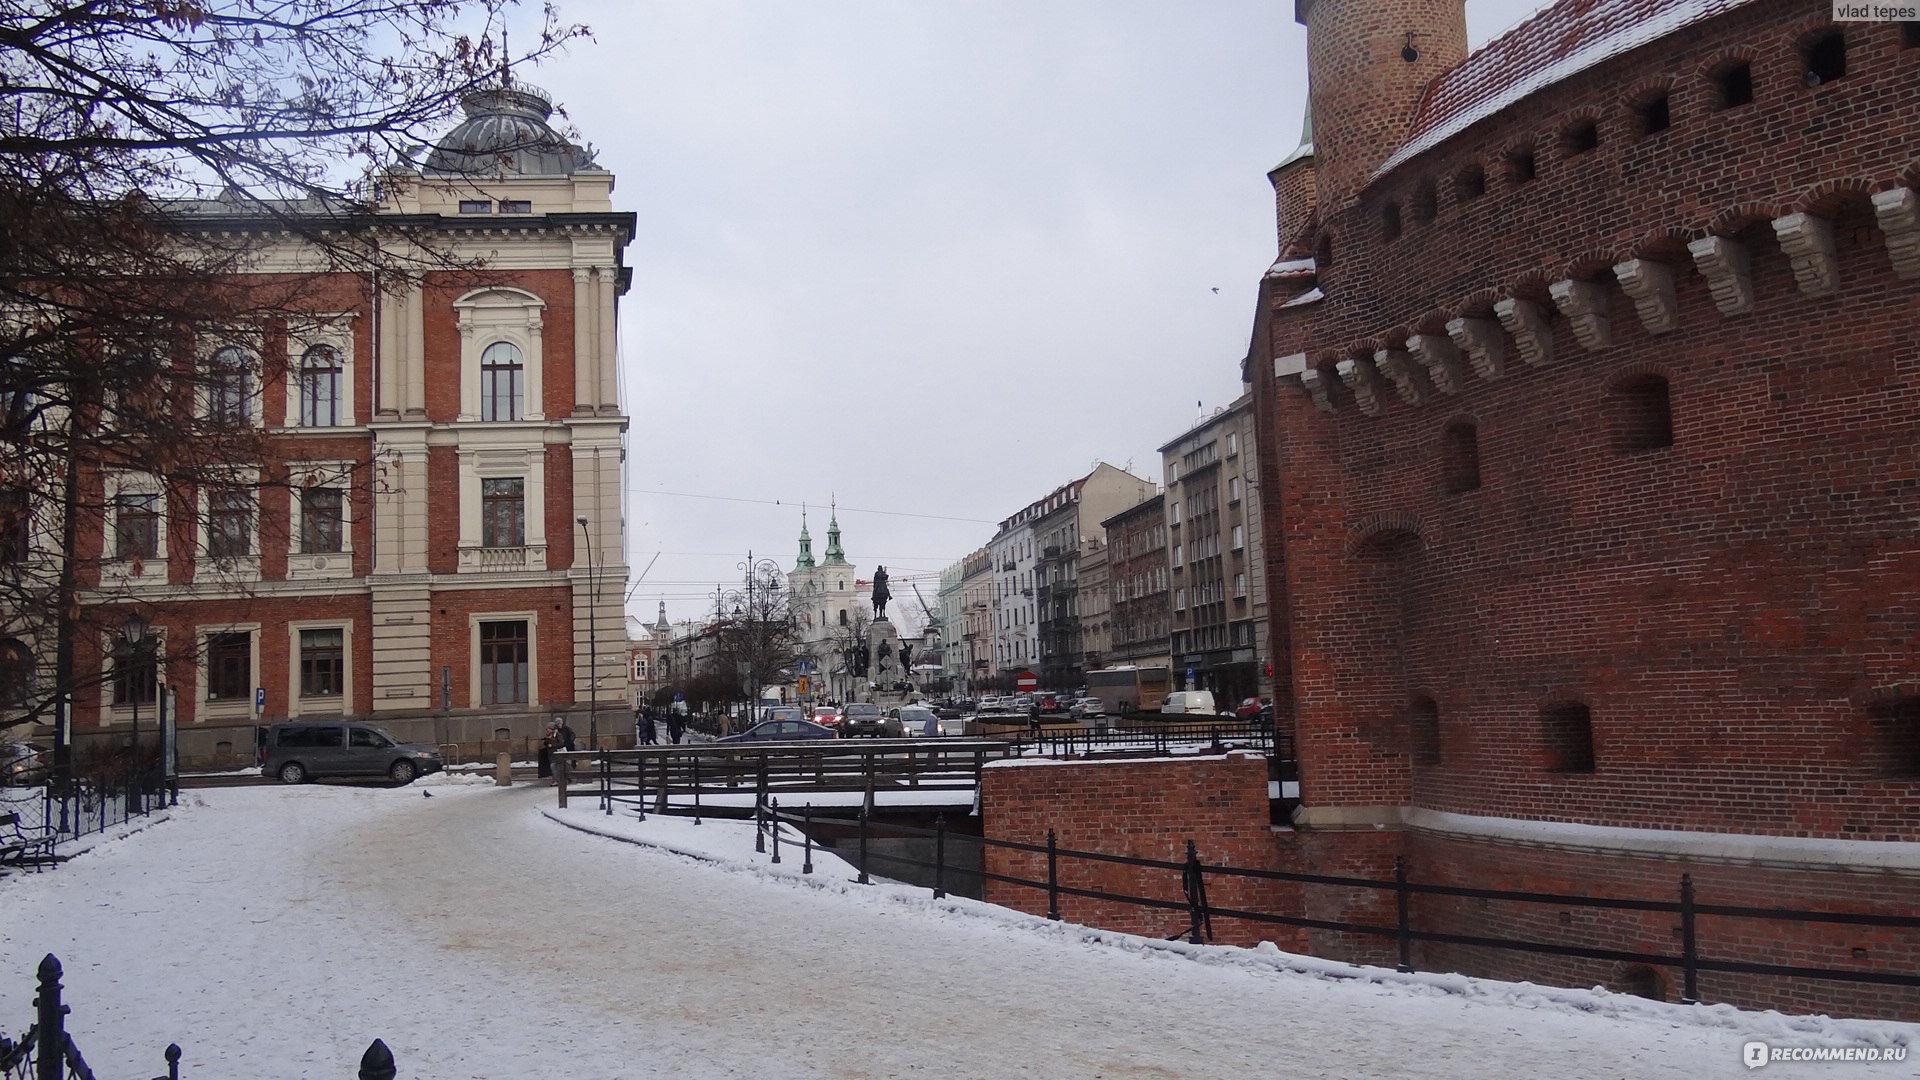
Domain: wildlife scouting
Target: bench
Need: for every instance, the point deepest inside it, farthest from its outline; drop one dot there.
(24, 845)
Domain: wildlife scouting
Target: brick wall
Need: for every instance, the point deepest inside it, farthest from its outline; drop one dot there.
(1145, 809)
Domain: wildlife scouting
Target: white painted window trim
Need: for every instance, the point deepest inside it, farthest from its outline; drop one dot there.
(303, 565)
(111, 714)
(528, 463)
(500, 313)
(319, 706)
(223, 709)
(247, 341)
(118, 571)
(334, 330)
(241, 568)
(532, 619)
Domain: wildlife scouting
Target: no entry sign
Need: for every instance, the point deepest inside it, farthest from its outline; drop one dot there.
(1026, 680)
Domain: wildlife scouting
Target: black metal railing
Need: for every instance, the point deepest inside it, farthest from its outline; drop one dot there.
(83, 807)
(1188, 879)
(47, 1052)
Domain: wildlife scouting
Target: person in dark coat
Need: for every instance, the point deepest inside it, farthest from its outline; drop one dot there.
(564, 736)
(649, 731)
(676, 726)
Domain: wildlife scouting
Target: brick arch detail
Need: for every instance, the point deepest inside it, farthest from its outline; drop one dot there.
(1562, 695)
(1712, 66)
(1479, 303)
(1644, 91)
(1825, 198)
(1735, 219)
(1663, 245)
(1588, 265)
(1884, 694)
(1638, 369)
(1373, 528)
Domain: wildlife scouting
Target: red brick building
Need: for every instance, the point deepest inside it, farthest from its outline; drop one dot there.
(414, 552)
(1587, 385)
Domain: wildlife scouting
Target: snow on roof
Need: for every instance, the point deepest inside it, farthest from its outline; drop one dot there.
(1311, 296)
(1288, 268)
(1560, 42)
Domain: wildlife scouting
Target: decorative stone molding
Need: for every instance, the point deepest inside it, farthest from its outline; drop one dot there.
(1527, 325)
(1316, 385)
(1364, 381)
(1284, 366)
(1808, 242)
(1480, 339)
(1650, 286)
(1899, 214)
(1584, 303)
(1409, 380)
(1723, 263)
(1442, 360)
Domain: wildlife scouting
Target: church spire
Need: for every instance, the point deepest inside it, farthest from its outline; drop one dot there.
(805, 559)
(835, 556)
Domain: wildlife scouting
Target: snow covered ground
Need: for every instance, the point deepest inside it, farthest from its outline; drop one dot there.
(274, 932)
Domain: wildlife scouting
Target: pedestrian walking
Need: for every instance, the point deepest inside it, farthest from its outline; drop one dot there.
(676, 726)
(1033, 719)
(649, 733)
(549, 740)
(564, 735)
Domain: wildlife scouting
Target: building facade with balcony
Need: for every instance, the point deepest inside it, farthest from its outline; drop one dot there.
(413, 552)
(1139, 625)
(1217, 583)
(977, 633)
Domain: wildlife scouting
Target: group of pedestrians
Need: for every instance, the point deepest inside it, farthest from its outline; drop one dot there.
(647, 727)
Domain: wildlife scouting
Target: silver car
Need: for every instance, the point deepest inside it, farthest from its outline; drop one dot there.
(305, 750)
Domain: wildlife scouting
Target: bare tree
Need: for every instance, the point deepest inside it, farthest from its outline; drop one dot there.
(757, 641)
(151, 151)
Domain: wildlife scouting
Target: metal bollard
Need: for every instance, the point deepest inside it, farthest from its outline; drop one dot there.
(806, 865)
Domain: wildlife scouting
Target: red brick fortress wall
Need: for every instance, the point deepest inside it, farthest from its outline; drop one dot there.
(1145, 809)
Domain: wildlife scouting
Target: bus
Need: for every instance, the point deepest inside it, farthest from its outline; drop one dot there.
(1129, 688)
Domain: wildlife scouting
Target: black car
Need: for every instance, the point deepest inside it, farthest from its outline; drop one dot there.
(861, 718)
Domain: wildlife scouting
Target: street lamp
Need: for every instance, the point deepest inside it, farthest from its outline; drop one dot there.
(133, 631)
(593, 647)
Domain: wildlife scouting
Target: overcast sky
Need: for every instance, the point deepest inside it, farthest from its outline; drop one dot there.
(932, 259)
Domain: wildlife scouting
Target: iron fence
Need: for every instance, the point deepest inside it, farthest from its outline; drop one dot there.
(47, 1051)
(1188, 879)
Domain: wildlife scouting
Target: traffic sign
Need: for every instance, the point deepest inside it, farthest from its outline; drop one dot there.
(1026, 680)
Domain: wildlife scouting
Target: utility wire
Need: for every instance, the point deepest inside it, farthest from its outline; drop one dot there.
(795, 502)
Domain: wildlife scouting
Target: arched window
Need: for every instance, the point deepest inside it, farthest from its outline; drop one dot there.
(1642, 414)
(1520, 167)
(502, 386)
(1825, 58)
(16, 672)
(1425, 202)
(1460, 458)
(1581, 137)
(1423, 730)
(1656, 115)
(229, 386)
(1568, 728)
(320, 387)
(1897, 743)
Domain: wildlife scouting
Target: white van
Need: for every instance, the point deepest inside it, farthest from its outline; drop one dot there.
(1189, 701)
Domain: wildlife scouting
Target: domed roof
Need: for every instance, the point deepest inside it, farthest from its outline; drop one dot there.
(506, 133)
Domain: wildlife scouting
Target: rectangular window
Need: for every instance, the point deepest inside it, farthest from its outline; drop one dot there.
(1233, 489)
(1240, 586)
(321, 380)
(229, 523)
(502, 512)
(503, 663)
(136, 526)
(230, 667)
(476, 206)
(1179, 599)
(323, 663)
(1233, 443)
(1177, 560)
(229, 386)
(516, 206)
(1239, 537)
(322, 520)
(135, 675)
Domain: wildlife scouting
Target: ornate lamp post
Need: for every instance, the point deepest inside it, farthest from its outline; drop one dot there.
(133, 631)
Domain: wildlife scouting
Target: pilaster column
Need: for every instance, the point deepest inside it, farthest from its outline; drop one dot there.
(586, 381)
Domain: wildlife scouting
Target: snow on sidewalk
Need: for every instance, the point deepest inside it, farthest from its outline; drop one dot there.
(274, 932)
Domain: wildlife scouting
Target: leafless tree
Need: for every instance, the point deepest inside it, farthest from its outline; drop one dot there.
(150, 152)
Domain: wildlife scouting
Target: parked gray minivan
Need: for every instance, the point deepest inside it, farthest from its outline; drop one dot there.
(305, 749)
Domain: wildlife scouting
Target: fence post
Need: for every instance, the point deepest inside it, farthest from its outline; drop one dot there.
(640, 783)
(606, 784)
(1053, 877)
(1193, 881)
(776, 832)
(50, 1034)
(863, 845)
(760, 823)
(696, 789)
(173, 1061)
(939, 856)
(806, 839)
(377, 1063)
(1689, 955)
(1403, 927)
